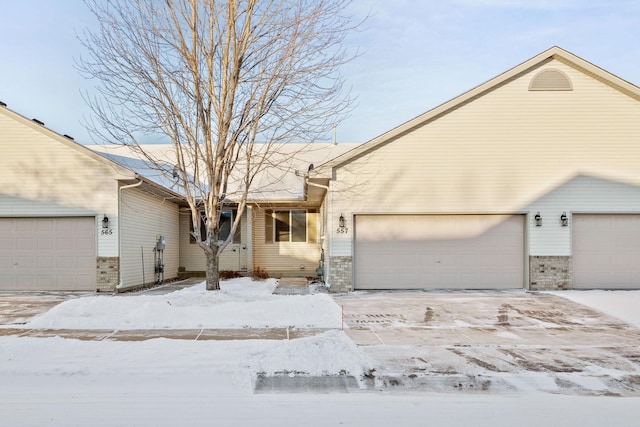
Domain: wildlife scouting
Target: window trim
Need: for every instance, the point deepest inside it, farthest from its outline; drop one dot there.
(290, 211)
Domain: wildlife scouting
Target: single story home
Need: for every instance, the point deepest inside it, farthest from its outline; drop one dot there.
(530, 180)
(75, 218)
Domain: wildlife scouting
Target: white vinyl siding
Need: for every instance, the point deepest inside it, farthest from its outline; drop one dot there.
(145, 217)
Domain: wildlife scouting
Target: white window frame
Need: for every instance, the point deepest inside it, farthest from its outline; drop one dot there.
(290, 212)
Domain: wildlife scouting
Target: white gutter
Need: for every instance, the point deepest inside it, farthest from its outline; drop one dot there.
(124, 187)
(313, 184)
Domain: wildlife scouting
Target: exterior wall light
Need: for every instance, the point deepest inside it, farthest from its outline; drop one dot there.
(342, 227)
(105, 221)
(564, 220)
(538, 219)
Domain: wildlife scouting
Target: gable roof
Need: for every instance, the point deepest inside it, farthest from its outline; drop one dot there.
(283, 181)
(121, 172)
(324, 170)
(66, 140)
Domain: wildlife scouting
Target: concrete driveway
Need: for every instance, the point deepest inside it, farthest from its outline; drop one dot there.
(447, 341)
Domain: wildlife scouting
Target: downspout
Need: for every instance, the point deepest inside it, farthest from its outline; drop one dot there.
(124, 187)
(326, 187)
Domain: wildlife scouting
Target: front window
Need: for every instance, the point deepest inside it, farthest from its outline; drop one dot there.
(290, 226)
(226, 221)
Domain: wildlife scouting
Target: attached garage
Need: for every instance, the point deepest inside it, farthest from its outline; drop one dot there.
(48, 254)
(439, 251)
(606, 251)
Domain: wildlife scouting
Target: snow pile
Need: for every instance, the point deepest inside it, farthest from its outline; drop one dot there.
(232, 364)
(622, 305)
(241, 303)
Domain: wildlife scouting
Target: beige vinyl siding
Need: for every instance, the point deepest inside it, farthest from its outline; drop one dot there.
(503, 152)
(144, 218)
(582, 194)
(285, 257)
(192, 257)
(42, 176)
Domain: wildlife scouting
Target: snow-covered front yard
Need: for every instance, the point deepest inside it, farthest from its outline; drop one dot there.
(62, 382)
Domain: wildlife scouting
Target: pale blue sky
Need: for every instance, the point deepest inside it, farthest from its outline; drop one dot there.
(416, 54)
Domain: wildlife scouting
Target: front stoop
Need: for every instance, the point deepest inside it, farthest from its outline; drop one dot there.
(292, 286)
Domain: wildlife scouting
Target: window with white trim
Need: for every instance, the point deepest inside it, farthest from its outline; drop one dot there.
(290, 225)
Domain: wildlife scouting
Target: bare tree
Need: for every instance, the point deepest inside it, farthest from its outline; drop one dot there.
(225, 81)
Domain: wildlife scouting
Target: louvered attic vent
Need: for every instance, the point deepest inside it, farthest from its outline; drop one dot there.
(550, 79)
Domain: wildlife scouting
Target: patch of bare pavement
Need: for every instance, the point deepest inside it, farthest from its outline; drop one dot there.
(16, 308)
(492, 341)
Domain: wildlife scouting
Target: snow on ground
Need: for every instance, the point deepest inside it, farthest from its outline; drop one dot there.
(164, 382)
(241, 303)
(623, 305)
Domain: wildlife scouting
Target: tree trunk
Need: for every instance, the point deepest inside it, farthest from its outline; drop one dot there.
(213, 275)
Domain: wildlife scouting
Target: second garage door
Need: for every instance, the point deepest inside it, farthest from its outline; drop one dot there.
(439, 251)
(48, 254)
(606, 251)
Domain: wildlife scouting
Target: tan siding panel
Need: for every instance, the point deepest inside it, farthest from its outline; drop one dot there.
(282, 257)
(144, 218)
(504, 152)
(43, 177)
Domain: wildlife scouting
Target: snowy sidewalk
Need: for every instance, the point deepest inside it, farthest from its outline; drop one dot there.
(177, 334)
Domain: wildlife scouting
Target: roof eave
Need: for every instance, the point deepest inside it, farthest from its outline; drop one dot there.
(325, 170)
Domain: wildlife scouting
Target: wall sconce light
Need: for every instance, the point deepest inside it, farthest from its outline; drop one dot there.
(538, 219)
(105, 221)
(342, 226)
(564, 220)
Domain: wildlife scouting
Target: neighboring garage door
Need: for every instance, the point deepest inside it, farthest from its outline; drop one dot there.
(606, 251)
(439, 251)
(47, 253)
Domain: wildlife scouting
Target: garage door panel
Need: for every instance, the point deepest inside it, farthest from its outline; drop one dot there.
(47, 253)
(606, 251)
(439, 251)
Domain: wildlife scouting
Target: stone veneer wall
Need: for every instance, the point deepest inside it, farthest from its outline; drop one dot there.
(340, 274)
(550, 272)
(108, 273)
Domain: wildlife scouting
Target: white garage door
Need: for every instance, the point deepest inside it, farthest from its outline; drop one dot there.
(606, 251)
(47, 254)
(439, 251)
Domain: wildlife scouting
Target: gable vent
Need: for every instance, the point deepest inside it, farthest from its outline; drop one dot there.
(550, 79)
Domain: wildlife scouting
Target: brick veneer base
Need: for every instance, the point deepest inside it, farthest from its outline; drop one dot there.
(550, 272)
(340, 274)
(107, 273)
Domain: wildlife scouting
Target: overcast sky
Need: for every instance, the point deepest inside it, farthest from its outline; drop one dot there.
(415, 54)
